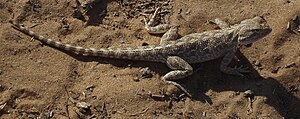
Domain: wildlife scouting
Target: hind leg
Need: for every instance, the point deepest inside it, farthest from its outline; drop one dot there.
(181, 69)
(159, 29)
(170, 31)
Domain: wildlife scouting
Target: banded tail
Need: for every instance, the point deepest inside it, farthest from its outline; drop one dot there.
(140, 53)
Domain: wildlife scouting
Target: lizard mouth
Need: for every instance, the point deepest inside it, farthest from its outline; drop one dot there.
(256, 37)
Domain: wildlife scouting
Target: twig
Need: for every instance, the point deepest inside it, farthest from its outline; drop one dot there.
(135, 114)
(66, 103)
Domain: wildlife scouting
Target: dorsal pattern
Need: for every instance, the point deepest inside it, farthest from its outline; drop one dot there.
(178, 54)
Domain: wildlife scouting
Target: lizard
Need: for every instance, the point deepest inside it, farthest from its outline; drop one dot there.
(178, 53)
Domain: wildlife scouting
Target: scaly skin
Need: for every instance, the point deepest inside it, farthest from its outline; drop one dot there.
(193, 48)
(178, 54)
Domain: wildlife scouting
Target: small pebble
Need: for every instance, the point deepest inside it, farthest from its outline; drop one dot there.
(39, 62)
(248, 93)
(290, 65)
(48, 115)
(94, 97)
(83, 105)
(115, 14)
(136, 79)
(179, 11)
(257, 63)
(204, 114)
(90, 87)
(265, 99)
(188, 11)
(296, 19)
(146, 73)
(129, 65)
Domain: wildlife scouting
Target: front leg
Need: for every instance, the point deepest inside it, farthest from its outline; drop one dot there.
(228, 70)
(181, 69)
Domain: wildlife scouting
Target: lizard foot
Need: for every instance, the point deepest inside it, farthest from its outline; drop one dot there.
(180, 87)
(241, 69)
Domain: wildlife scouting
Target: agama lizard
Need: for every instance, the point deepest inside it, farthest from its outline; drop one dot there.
(179, 53)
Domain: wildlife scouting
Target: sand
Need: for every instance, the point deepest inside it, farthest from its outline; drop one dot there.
(39, 81)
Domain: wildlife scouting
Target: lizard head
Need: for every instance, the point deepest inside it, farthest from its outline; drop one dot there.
(251, 30)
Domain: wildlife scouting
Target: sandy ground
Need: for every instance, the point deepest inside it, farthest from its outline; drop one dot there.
(38, 81)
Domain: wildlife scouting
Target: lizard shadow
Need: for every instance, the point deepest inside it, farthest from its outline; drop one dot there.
(209, 77)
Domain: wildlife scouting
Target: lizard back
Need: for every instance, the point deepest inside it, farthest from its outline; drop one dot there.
(194, 48)
(206, 46)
